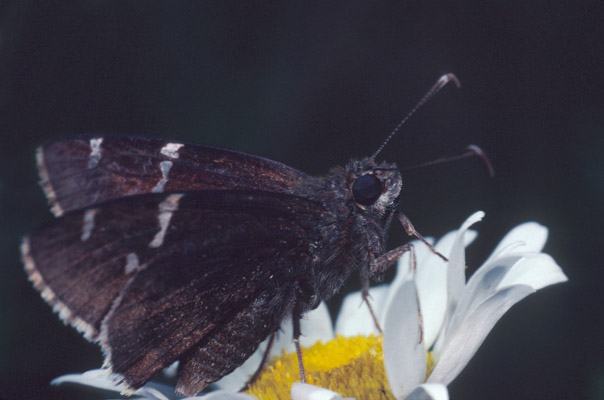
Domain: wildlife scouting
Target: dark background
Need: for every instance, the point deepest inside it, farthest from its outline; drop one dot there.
(312, 84)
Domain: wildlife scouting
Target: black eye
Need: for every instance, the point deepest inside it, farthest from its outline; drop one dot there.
(366, 189)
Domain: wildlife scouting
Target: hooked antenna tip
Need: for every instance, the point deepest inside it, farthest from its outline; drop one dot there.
(480, 153)
(446, 78)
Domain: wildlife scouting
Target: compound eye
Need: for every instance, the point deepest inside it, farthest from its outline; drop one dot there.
(366, 189)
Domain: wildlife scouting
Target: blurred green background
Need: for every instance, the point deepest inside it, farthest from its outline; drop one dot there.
(312, 84)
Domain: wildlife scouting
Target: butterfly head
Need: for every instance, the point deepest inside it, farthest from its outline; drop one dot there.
(375, 188)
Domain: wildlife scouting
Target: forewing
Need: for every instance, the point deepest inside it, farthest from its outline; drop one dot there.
(163, 277)
(83, 170)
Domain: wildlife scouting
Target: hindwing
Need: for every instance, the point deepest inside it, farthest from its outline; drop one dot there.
(202, 277)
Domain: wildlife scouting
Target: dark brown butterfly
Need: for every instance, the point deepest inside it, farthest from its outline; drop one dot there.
(166, 251)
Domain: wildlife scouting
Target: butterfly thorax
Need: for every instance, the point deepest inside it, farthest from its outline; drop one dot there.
(359, 202)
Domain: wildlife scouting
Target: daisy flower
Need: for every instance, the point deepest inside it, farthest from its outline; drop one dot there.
(433, 320)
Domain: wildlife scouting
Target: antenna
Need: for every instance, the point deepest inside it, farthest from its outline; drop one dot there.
(469, 151)
(442, 81)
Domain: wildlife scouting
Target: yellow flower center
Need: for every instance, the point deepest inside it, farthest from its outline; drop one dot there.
(351, 366)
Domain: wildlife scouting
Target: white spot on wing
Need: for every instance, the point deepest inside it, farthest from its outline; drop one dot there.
(88, 223)
(164, 167)
(166, 209)
(171, 149)
(95, 152)
(132, 263)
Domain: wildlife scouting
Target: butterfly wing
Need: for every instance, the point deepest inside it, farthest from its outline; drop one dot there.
(83, 170)
(200, 277)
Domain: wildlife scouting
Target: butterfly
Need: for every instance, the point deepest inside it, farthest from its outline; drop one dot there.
(165, 251)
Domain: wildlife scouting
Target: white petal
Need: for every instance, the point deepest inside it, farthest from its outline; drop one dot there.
(172, 370)
(304, 391)
(96, 378)
(456, 274)
(482, 285)
(284, 338)
(155, 391)
(315, 325)
(456, 279)
(535, 271)
(527, 237)
(402, 269)
(471, 220)
(429, 391)
(462, 344)
(431, 282)
(404, 272)
(222, 395)
(445, 244)
(433, 270)
(421, 253)
(101, 379)
(354, 317)
(404, 351)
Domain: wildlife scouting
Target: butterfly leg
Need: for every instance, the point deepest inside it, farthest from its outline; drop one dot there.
(378, 267)
(365, 295)
(297, 332)
(410, 229)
